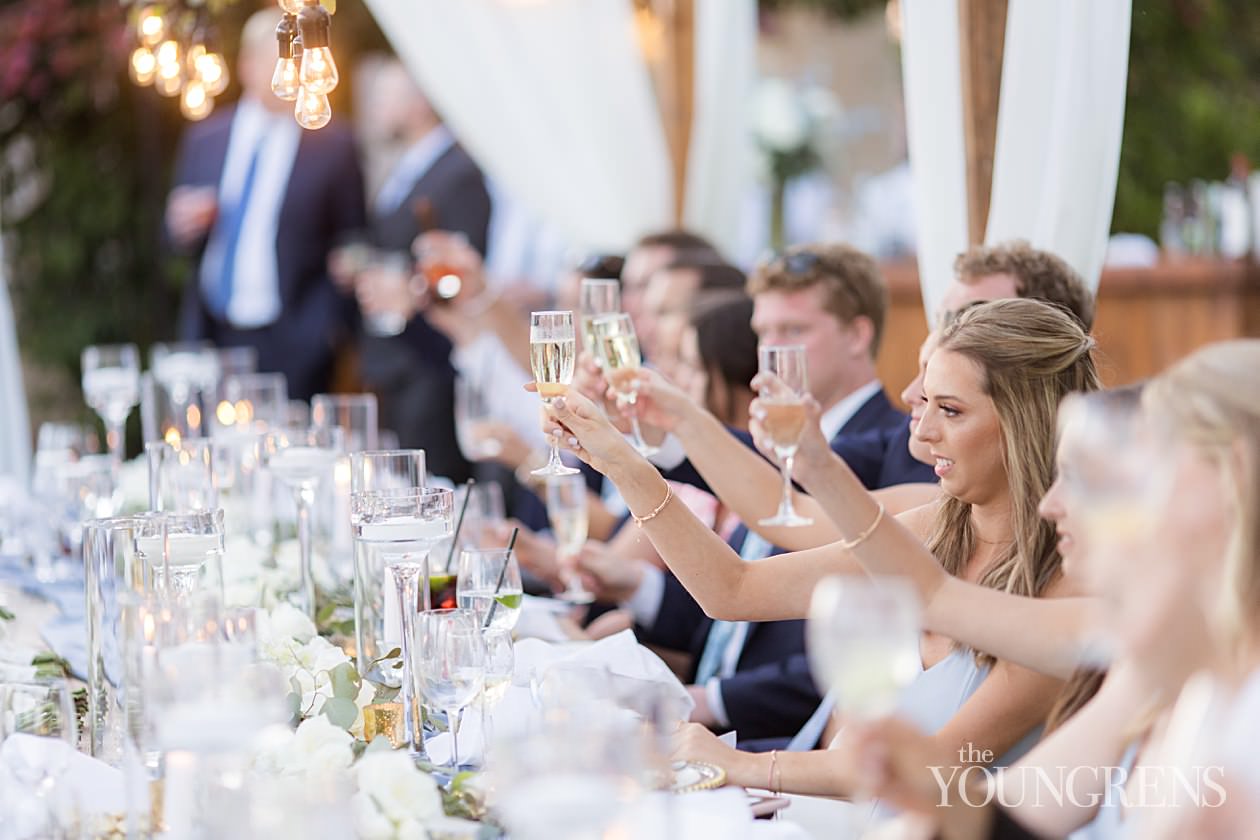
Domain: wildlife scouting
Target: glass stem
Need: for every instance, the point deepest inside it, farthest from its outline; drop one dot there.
(785, 505)
(114, 440)
(405, 591)
(452, 723)
(553, 460)
(306, 595)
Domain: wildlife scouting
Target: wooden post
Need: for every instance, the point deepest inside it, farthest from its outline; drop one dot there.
(982, 41)
(675, 86)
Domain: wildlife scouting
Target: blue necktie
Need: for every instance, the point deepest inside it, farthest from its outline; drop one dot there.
(808, 737)
(233, 221)
(719, 638)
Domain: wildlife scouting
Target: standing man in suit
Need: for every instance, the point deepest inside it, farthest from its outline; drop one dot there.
(434, 185)
(258, 201)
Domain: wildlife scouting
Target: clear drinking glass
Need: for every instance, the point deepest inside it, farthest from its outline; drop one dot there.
(392, 271)
(597, 297)
(237, 361)
(181, 474)
(395, 531)
(472, 417)
(567, 511)
(38, 736)
(87, 489)
(490, 586)
(251, 402)
(552, 351)
(354, 414)
(784, 420)
(302, 459)
(617, 347)
(451, 657)
(387, 469)
(186, 376)
(111, 386)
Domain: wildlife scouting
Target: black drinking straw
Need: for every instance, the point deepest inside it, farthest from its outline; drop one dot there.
(507, 558)
(459, 523)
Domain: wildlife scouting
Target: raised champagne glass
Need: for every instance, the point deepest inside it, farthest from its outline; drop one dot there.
(784, 419)
(111, 386)
(598, 297)
(552, 350)
(620, 358)
(567, 511)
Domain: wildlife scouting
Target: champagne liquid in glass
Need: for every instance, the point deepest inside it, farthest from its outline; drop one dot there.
(784, 421)
(552, 362)
(569, 527)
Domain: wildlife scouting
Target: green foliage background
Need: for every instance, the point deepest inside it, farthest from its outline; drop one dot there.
(87, 265)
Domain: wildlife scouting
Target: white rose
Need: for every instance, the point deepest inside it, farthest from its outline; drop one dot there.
(400, 791)
(369, 822)
(318, 746)
(780, 120)
(287, 620)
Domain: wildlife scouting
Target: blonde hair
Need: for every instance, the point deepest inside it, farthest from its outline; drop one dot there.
(1211, 401)
(1032, 355)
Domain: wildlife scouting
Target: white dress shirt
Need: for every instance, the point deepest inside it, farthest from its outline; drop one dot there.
(410, 168)
(255, 299)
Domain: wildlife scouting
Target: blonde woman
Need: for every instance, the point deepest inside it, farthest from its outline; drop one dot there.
(993, 387)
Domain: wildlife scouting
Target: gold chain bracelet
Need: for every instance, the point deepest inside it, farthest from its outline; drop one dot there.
(669, 494)
(848, 545)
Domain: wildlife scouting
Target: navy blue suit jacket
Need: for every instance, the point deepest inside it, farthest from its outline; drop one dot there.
(323, 200)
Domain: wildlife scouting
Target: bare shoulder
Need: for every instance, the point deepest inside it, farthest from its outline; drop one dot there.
(919, 520)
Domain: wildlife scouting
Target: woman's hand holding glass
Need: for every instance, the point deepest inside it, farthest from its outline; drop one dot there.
(582, 428)
(812, 446)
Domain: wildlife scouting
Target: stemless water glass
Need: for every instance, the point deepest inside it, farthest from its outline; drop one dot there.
(355, 414)
(302, 459)
(597, 297)
(617, 347)
(38, 736)
(251, 401)
(552, 349)
(499, 670)
(395, 531)
(490, 586)
(236, 361)
(181, 474)
(784, 420)
(567, 511)
(111, 386)
(451, 656)
(183, 378)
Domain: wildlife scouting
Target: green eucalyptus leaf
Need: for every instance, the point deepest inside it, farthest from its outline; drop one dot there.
(340, 711)
(345, 681)
(294, 704)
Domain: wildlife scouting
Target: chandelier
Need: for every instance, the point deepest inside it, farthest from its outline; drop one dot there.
(177, 53)
(305, 71)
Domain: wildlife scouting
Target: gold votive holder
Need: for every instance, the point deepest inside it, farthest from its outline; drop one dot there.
(384, 719)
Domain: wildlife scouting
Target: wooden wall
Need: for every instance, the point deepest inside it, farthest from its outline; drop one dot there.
(1147, 317)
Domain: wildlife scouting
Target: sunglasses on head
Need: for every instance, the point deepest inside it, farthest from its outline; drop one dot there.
(797, 262)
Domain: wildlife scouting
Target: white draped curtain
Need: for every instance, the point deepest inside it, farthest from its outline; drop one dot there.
(554, 100)
(1060, 122)
(15, 430)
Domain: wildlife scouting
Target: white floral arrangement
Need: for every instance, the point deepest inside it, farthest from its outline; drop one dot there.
(392, 798)
(323, 680)
(789, 121)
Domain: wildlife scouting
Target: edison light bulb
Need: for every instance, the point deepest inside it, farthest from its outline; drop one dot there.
(284, 82)
(291, 7)
(150, 26)
(170, 70)
(196, 104)
(319, 72)
(213, 72)
(143, 66)
(312, 109)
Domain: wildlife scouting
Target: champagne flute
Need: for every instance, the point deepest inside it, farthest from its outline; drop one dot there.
(567, 511)
(618, 351)
(598, 297)
(500, 666)
(552, 348)
(784, 419)
(451, 654)
(111, 386)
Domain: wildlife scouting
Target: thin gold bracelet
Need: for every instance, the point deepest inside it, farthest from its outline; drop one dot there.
(669, 494)
(848, 545)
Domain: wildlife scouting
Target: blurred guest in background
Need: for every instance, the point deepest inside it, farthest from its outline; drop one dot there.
(434, 185)
(258, 202)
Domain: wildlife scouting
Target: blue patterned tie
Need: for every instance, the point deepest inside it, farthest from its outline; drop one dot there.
(719, 638)
(807, 737)
(233, 221)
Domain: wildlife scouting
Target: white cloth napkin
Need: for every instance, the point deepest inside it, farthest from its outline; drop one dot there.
(97, 787)
(538, 619)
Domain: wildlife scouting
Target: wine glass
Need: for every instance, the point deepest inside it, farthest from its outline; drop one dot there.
(784, 419)
(598, 297)
(395, 531)
(499, 670)
(472, 416)
(490, 586)
(181, 474)
(451, 658)
(552, 348)
(567, 511)
(38, 736)
(617, 347)
(111, 386)
(863, 641)
(301, 459)
(355, 414)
